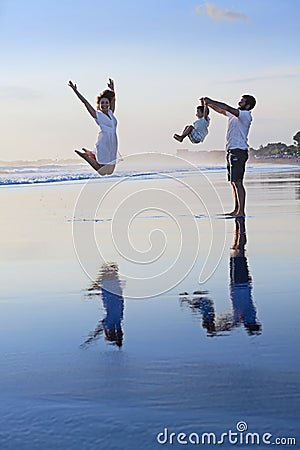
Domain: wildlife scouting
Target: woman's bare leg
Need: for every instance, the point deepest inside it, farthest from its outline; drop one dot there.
(89, 153)
(102, 169)
(106, 169)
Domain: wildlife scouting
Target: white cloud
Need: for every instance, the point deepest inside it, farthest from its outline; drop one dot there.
(215, 13)
(20, 93)
(280, 73)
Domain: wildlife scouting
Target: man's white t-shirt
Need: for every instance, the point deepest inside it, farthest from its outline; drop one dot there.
(238, 129)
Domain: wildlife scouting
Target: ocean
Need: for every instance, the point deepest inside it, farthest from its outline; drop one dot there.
(56, 173)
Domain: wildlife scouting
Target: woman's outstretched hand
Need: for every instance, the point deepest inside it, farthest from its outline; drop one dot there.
(111, 84)
(72, 85)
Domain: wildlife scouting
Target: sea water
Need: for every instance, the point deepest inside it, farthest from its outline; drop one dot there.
(92, 358)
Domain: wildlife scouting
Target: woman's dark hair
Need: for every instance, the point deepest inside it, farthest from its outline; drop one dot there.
(250, 100)
(107, 93)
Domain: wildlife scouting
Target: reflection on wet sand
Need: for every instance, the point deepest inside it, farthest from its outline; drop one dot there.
(244, 311)
(240, 287)
(201, 304)
(108, 287)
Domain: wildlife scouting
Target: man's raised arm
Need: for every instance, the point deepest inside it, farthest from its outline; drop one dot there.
(221, 107)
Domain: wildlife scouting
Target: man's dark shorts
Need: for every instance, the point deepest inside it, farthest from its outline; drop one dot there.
(236, 163)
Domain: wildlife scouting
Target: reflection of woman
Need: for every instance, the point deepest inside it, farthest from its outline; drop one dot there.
(110, 287)
(244, 310)
(103, 157)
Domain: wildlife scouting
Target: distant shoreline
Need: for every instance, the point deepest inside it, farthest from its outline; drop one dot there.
(41, 162)
(218, 157)
(196, 157)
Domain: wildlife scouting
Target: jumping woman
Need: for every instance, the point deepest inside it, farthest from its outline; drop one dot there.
(103, 157)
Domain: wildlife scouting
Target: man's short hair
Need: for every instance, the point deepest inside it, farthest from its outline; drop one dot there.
(250, 100)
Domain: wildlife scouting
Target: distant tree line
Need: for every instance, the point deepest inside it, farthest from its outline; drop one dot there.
(278, 149)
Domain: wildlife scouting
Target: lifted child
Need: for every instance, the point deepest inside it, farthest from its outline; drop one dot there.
(199, 130)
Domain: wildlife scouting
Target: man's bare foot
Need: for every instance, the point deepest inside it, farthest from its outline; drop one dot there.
(236, 214)
(232, 214)
(89, 153)
(178, 137)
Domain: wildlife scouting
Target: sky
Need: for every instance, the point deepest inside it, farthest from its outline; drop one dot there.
(163, 55)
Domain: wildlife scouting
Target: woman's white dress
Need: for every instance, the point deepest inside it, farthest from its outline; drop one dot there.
(107, 144)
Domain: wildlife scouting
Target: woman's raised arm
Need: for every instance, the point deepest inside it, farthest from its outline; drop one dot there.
(88, 106)
(111, 86)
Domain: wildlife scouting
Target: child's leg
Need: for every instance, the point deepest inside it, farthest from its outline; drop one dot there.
(187, 130)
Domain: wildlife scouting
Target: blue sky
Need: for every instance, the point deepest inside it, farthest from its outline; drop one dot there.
(163, 56)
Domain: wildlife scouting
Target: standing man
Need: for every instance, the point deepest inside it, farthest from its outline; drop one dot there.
(239, 121)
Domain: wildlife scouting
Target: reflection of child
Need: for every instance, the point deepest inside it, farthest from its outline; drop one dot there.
(200, 302)
(199, 130)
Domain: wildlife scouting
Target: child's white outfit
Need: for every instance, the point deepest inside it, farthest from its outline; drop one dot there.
(107, 144)
(200, 130)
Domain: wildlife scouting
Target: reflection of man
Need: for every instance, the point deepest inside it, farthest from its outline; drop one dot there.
(109, 284)
(244, 310)
(239, 121)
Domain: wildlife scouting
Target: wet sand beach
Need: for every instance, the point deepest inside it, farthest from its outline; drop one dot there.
(109, 340)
